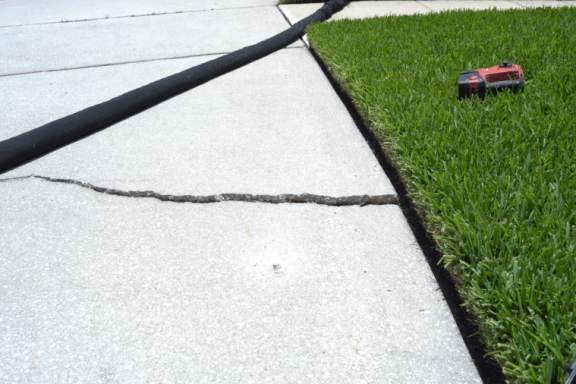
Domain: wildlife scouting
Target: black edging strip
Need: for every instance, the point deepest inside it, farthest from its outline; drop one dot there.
(490, 371)
(361, 200)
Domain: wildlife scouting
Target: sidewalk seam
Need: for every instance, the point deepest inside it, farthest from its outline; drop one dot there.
(125, 62)
(356, 200)
(283, 14)
(520, 4)
(425, 6)
(290, 24)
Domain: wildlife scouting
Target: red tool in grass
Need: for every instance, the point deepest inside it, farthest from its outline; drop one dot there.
(494, 79)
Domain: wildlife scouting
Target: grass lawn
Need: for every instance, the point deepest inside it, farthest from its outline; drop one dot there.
(494, 181)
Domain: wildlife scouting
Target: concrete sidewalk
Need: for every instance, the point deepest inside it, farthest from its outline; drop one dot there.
(103, 288)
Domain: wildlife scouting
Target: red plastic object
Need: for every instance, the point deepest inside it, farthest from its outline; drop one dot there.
(496, 78)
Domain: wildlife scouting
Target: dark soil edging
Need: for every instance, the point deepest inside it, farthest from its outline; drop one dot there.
(490, 371)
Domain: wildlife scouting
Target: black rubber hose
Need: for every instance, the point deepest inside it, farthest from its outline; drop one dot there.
(39, 141)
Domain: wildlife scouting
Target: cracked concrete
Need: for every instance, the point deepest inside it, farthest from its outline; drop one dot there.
(94, 287)
(272, 127)
(362, 201)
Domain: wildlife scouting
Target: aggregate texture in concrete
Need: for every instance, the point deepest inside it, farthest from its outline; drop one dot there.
(46, 47)
(23, 12)
(275, 126)
(102, 288)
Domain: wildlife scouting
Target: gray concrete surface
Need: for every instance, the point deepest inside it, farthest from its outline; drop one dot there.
(18, 12)
(273, 127)
(110, 41)
(136, 290)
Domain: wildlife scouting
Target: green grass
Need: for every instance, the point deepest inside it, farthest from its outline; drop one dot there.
(494, 181)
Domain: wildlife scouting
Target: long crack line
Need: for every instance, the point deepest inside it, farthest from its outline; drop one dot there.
(361, 200)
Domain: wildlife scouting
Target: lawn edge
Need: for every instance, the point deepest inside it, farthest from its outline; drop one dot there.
(489, 369)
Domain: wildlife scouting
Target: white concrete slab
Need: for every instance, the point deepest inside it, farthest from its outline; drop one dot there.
(547, 3)
(100, 42)
(275, 126)
(438, 6)
(100, 288)
(22, 12)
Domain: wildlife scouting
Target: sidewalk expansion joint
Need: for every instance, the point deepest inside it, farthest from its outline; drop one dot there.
(422, 3)
(113, 64)
(360, 200)
(284, 15)
(123, 63)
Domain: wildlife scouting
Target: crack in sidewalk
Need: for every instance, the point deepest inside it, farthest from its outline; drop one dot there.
(361, 200)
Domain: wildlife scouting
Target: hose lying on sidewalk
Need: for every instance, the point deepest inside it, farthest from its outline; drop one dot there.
(39, 141)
